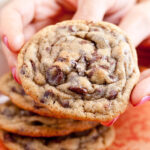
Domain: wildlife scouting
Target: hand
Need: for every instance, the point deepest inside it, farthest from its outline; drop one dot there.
(20, 19)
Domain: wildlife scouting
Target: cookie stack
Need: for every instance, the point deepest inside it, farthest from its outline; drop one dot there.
(72, 70)
(27, 125)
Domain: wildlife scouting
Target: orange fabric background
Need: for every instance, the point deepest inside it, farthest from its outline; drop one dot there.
(133, 129)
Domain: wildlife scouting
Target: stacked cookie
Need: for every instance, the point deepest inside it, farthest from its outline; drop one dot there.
(27, 125)
(75, 69)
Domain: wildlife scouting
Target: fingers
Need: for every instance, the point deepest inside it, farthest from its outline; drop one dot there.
(31, 29)
(92, 10)
(145, 74)
(141, 92)
(11, 57)
(45, 9)
(69, 5)
(119, 9)
(12, 61)
(137, 28)
(13, 18)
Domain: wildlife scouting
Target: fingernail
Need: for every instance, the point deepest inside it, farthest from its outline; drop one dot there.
(110, 123)
(142, 101)
(13, 70)
(5, 41)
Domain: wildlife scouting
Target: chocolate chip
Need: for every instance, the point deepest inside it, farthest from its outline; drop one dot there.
(48, 49)
(61, 59)
(81, 66)
(8, 137)
(55, 76)
(43, 100)
(90, 74)
(112, 94)
(22, 71)
(36, 123)
(95, 137)
(20, 91)
(95, 29)
(80, 134)
(48, 93)
(74, 63)
(95, 58)
(8, 112)
(104, 67)
(64, 103)
(28, 147)
(78, 90)
(33, 65)
(37, 106)
(98, 93)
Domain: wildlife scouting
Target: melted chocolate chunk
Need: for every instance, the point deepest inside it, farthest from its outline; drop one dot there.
(8, 112)
(55, 76)
(22, 71)
(104, 67)
(33, 65)
(28, 147)
(112, 94)
(98, 93)
(80, 134)
(43, 100)
(81, 66)
(61, 59)
(48, 93)
(37, 106)
(48, 48)
(78, 90)
(95, 58)
(20, 91)
(37, 123)
(9, 138)
(64, 103)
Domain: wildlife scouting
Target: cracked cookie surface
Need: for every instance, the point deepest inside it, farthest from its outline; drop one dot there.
(80, 69)
(98, 138)
(22, 122)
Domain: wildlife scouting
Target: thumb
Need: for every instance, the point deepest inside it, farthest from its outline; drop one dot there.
(93, 10)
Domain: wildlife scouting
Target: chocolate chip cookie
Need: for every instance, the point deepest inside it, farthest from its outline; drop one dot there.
(12, 89)
(79, 69)
(97, 138)
(22, 122)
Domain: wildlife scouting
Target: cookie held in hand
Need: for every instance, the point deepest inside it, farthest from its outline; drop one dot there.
(80, 70)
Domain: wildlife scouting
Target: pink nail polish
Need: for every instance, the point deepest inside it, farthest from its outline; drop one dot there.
(111, 122)
(5, 41)
(13, 70)
(143, 100)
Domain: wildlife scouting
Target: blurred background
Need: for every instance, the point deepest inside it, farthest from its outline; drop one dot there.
(3, 64)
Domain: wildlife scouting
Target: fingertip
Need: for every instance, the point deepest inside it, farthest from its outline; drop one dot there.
(15, 43)
(141, 93)
(15, 75)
